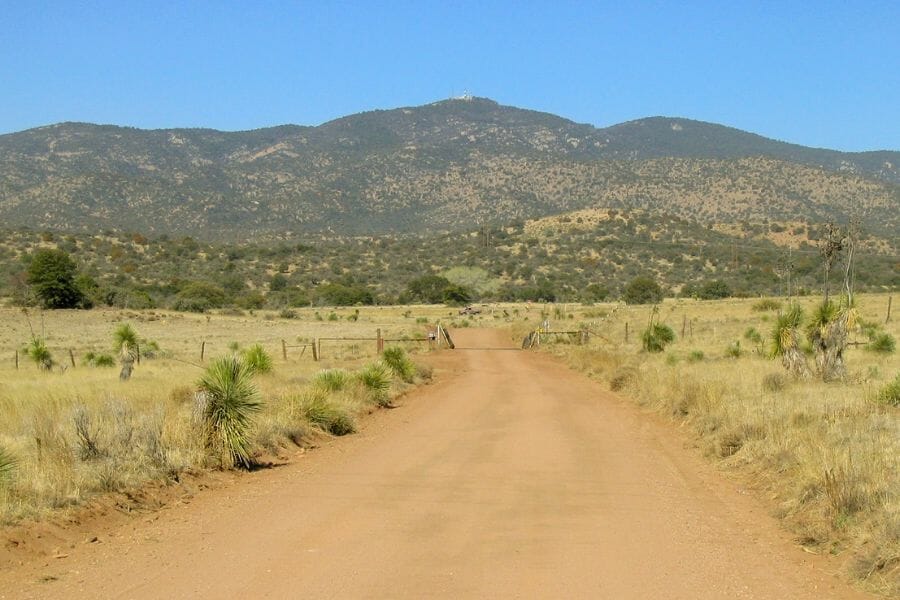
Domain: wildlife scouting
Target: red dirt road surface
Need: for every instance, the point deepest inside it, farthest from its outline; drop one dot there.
(512, 477)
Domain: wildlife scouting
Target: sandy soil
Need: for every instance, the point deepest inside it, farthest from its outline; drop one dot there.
(513, 477)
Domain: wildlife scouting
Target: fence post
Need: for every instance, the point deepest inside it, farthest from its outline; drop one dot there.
(683, 325)
(626, 332)
(17, 360)
(315, 349)
(202, 349)
(284, 349)
(692, 328)
(72, 357)
(888, 318)
(379, 341)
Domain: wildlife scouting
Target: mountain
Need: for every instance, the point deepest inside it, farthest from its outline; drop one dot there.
(447, 165)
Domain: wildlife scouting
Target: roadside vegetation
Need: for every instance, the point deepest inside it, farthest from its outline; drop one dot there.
(825, 450)
(73, 430)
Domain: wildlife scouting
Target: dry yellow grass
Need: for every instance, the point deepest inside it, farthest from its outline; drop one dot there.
(78, 430)
(826, 455)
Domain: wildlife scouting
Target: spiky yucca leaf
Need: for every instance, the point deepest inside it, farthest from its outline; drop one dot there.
(785, 333)
(231, 400)
(125, 338)
(656, 337)
(38, 352)
(7, 465)
(258, 359)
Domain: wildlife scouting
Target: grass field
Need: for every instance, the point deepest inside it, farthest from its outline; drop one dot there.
(76, 431)
(827, 455)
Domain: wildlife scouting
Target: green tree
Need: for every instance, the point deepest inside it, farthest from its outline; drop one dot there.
(642, 290)
(428, 288)
(51, 275)
(714, 290)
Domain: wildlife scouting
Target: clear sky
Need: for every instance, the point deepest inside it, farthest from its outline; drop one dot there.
(819, 73)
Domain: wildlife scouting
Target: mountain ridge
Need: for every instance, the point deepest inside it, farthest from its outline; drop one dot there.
(442, 165)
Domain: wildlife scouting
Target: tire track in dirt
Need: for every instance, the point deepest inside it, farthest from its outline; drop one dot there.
(511, 477)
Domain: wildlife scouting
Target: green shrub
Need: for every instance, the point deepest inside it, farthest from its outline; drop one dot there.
(696, 356)
(642, 290)
(376, 379)
(656, 337)
(890, 393)
(882, 343)
(93, 359)
(229, 402)
(331, 380)
(257, 359)
(398, 362)
(317, 408)
(766, 304)
(734, 349)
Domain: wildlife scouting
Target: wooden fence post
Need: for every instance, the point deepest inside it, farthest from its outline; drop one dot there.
(202, 349)
(379, 341)
(315, 349)
(72, 357)
(17, 360)
(888, 318)
(137, 349)
(683, 325)
(283, 349)
(692, 328)
(626, 332)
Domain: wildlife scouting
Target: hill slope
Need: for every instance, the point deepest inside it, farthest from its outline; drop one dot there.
(446, 165)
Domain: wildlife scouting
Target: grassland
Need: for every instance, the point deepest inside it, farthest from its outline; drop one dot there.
(826, 456)
(77, 431)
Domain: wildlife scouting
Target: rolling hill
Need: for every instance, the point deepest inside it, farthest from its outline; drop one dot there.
(449, 165)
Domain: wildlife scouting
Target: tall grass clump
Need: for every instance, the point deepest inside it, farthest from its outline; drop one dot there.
(375, 378)
(882, 343)
(331, 380)
(399, 363)
(766, 304)
(229, 400)
(322, 411)
(890, 393)
(257, 359)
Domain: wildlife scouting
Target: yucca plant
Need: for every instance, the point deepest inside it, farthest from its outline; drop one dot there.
(331, 380)
(125, 343)
(398, 362)
(828, 329)
(786, 341)
(38, 352)
(882, 342)
(376, 379)
(257, 359)
(656, 337)
(7, 465)
(229, 402)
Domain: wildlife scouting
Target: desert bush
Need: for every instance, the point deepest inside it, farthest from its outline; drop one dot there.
(890, 393)
(93, 359)
(331, 380)
(228, 402)
(376, 379)
(398, 362)
(257, 359)
(882, 343)
(287, 313)
(87, 434)
(766, 304)
(734, 350)
(696, 356)
(774, 382)
(320, 410)
(656, 337)
(642, 290)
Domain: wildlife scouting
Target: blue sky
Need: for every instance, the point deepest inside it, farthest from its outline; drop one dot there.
(816, 73)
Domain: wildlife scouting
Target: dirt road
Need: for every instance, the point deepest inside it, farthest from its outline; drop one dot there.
(512, 477)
